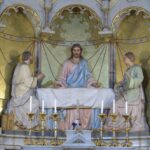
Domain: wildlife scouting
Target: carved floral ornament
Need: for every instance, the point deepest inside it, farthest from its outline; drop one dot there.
(83, 12)
(77, 9)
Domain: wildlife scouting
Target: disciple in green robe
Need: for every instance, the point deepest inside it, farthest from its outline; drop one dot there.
(131, 86)
(130, 90)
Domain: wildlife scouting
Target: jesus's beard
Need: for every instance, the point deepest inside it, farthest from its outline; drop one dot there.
(77, 56)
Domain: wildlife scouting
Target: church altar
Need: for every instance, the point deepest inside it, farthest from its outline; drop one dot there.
(106, 31)
(71, 97)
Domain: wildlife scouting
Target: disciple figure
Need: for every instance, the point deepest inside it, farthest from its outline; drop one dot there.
(130, 90)
(75, 73)
(23, 85)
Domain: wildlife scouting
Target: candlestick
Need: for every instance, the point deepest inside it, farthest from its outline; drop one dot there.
(55, 106)
(114, 141)
(43, 119)
(30, 104)
(42, 106)
(55, 141)
(30, 117)
(114, 106)
(126, 107)
(127, 142)
(100, 141)
(102, 106)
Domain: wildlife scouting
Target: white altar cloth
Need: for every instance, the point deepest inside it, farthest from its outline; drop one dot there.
(70, 97)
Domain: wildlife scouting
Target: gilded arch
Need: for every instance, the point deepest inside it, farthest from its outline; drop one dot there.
(127, 12)
(30, 13)
(91, 17)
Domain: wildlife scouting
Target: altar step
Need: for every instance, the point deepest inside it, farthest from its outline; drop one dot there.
(72, 140)
(59, 148)
(17, 142)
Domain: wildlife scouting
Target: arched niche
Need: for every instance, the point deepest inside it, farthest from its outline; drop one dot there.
(59, 5)
(132, 29)
(120, 5)
(22, 26)
(74, 24)
(117, 20)
(31, 14)
(86, 14)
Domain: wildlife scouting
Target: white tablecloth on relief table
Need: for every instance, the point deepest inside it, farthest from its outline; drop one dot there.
(69, 97)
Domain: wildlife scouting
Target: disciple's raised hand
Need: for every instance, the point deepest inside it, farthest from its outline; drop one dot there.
(96, 85)
(40, 76)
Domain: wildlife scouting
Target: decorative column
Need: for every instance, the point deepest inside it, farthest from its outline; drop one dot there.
(38, 55)
(43, 35)
(112, 65)
(107, 34)
(47, 7)
(105, 8)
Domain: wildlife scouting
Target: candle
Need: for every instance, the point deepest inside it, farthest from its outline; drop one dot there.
(126, 107)
(42, 106)
(102, 106)
(30, 104)
(55, 106)
(114, 106)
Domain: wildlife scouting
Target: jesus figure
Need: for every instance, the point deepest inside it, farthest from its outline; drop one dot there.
(75, 73)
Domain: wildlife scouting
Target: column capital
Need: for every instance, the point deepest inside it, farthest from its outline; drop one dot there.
(105, 5)
(48, 5)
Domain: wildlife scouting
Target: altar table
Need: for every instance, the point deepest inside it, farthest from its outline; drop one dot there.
(71, 97)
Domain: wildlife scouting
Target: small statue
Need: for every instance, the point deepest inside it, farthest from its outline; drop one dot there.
(76, 125)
